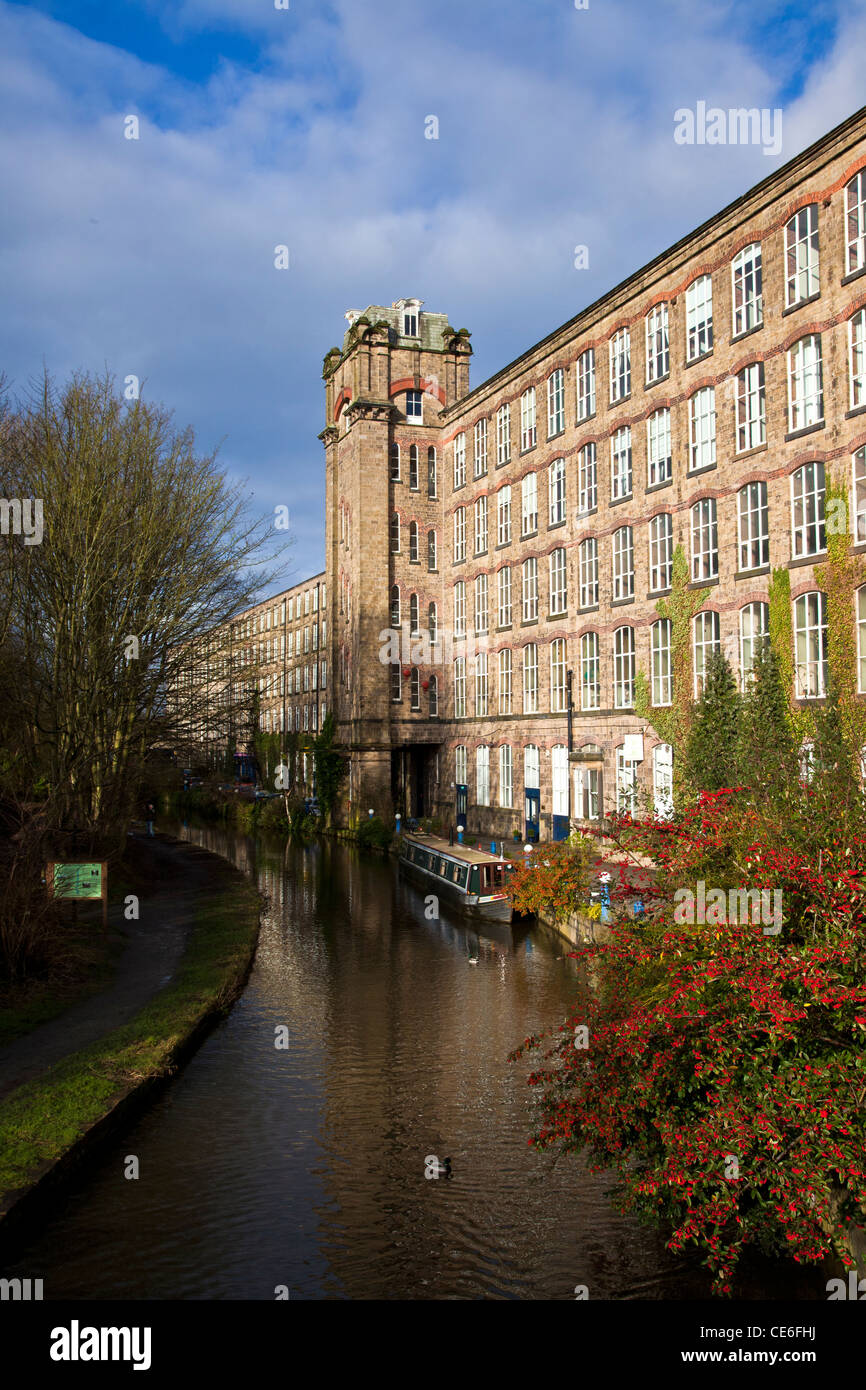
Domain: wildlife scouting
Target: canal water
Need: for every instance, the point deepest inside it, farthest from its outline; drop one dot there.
(305, 1166)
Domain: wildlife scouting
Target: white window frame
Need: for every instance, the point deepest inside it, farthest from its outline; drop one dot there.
(481, 685)
(705, 639)
(529, 589)
(587, 479)
(662, 677)
(805, 383)
(530, 678)
(503, 515)
(505, 681)
(585, 375)
(460, 608)
(751, 407)
(556, 491)
(555, 402)
(659, 450)
(460, 459)
(459, 534)
(858, 499)
(621, 479)
(810, 645)
(481, 525)
(658, 355)
(705, 539)
(623, 668)
(558, 581)
(482, 775)
(528, 425)
(482, 607)
(588, 572)
(620, 366)
(661, 552)
(503, 595)
(699, 318)
(802, 261)
(753, 526)
(857, 359)
(622, 562)
(590, 671)
(558, 667)
(855, 223)
(754, 634)
(503, 435)
(506, 776)
(747, 299)
(702, 428)
(808, 493)
(479, 466)
(529, 504)
(460, 688)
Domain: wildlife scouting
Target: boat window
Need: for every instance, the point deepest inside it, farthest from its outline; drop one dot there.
(473, 879)
(443, 868)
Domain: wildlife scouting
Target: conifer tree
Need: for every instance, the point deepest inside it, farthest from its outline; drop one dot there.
(711, 751)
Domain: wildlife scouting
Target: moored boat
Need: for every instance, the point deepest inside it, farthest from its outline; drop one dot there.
(472, 879)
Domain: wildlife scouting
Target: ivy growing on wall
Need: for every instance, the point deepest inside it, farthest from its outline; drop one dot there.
(840, 576)
(672, 722)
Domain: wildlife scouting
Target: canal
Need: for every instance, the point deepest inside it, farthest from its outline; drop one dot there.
(305, 1166)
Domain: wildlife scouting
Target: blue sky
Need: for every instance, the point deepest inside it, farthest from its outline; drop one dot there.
(305, 126)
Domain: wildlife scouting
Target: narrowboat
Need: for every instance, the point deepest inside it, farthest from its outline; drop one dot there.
(472, 879)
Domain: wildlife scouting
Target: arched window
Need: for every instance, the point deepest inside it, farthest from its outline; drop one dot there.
(810, 642)
(413, 613)
(434, 696)
(531, 767)
(431, 550)
(413, 541)
(663, 780)
(706, 642)
(395, 462)
(431, 472)
(415, 688)
(413, 466)
(395, 534)
(396, 681)
(559, 779)
(432, 623)
(395, 606)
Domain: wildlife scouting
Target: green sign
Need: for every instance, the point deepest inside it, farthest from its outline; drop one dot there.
(78, 880)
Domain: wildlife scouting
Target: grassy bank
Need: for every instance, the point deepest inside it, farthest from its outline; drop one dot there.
(43, 1120)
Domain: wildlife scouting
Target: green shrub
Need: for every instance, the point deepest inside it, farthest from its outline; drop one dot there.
(374, 834)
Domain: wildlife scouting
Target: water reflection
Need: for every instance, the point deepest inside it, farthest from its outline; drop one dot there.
(305, 1166)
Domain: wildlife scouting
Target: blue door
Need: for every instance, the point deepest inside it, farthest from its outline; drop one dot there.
(462, 803)
(533, 813)
(560, 827)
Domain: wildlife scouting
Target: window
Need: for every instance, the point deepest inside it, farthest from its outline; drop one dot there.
(460, 688)
(503, 435)
(415, 689)
(620, 463)
(413, 614)
(658, 447)
(705, 539)
(505, 681)
(481, 684)
(413, 542)
(460, 609)
(503, 516)
(482, 775)
(395, 462)
(460, 534)
(623, 563)
(434, 697)
(481, 603)
(559, 780)
(413, 467)
(587, 479)
(413, 405)
(810, 644)
(662, 662)
(620, 365)
(807, 510)
(699, 317)
(431, 550)
(747, 297)
(431, 471)
(754, 526)
(801, 256)
(751, 408)
(702, 428)
(531, 767)
(480, 525)
(857, 358)
(855, 222)
(506, 776)
(530, 679)
(805, 383)
(480, 453)
(529, 504)
(623, 667)
(663, 781)
(626, 783)
(459, 460)
(586, 793)
(395, 606)
(395, 534)
(558, 583)
(590, 683)
(433, 623)
(588, 572)
(858, 467)
(396, 681)
(461, 776)
(410, 323)
(861, 640)
(530, 589)
(558, 696)
(556, 491)
(504, 597)
(661, 552)
(706, 641)
(657, 345)
(586, 385)
(754, 634)
(555, 402)
(527, 419)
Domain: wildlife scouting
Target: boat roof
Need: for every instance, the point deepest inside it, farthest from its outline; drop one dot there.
(460, 852)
